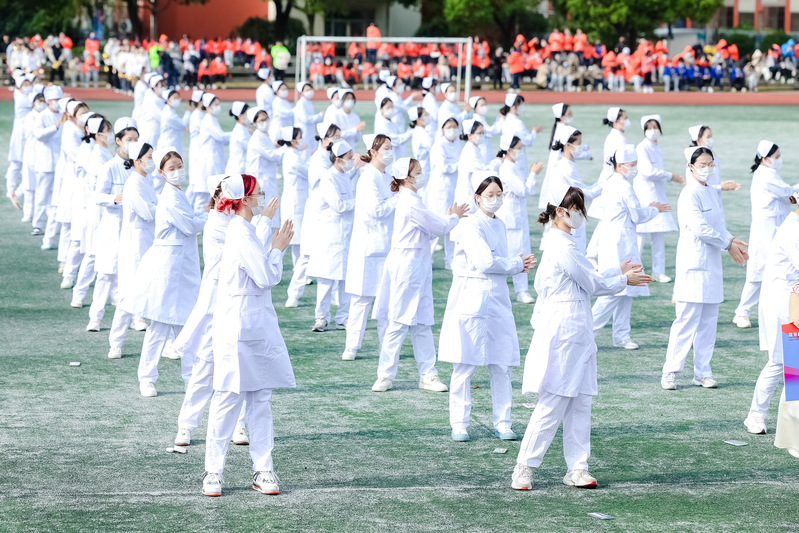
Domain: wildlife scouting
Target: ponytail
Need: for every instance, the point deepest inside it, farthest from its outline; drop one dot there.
(215, 198)
(606, 122)
(612, 162)
(557, 146)
(574, 199)
(547, 215)
(128, 164)
(552, 136)
(759, 159)
(504, 110)
(332, 156)
(395, 185)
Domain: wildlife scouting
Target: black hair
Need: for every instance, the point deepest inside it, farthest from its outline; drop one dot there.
(486, 182)
(574, 198)
(385, 101)
(331, 130)
(558, 146)
(122, 133)
(420, 110)
(294, 133)
(513, 142)
(555, 125)
(38, 96)
(129, 161)
(243, 111)
(655, 122)
(607, 122)
(465, 136)
(333, 156)
(395, 184)
(450, 119)
(377, 144)
(700, 151)
(170, 93)
(93, 136)
(702, 131)
(258, 113)
(758, 159)
(506, 108)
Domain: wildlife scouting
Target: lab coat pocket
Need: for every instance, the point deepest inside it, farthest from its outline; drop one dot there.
(699, 256)
(473, 297)
(253, 319)
(572, 338)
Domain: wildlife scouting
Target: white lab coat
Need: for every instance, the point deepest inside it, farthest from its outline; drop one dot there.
(172, 128)
(478, 326)
(71, 139)
(618, 241)
(491, 130)
(703, 237)
(430, 104)
(139, 90)
(471, 161)
(770, 205)
(47, 147)
(420, 146)
(614, 141)
(513, 125)
(562, 355)
(346, 123)
(110, 182)
(28, 175)
(650, 186)
(237, 150)
(405, 293)
(149, 125)
(167, 281)
(554, 158)
(448, 110)
(212, 140)
(371, 233)
(517, 183)
(263, 157)
(282, 115)
(137, 230)
(398, 134)
(264, 96)
(79, 190)
(336, 211)
(330, 114)
(249, 351)
(318, 166)
(440, 191)
(306, 120)
(295, 190)
(196, 178)
(99, 157)
(16, 144)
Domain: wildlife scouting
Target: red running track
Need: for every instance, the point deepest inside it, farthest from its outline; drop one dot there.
(771, 98)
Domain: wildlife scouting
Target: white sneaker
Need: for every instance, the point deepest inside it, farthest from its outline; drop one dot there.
(49, 246)
(68, 282)
(580, 479)
(147, 389)
(14, 199)
(183, 438)
(669, 381)
(320, 325)
(342, 326)
(212, 484)
(755, 424)
(292, 303)
(94, 325)
(708, 383)
(115, 352)
(438, 248)
(742, 322)
(170, 352)
(431, 382)
(627, 345)
(139, 324)
(382, 385)
(266, 482)
(348, 355)
(114, 301)
(36, 231)
(524, 297)
(793, 452)
(240, 437)
(661, 278)
(76, 303)
(522, 477)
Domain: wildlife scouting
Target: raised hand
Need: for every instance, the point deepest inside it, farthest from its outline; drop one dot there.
(537, 167)
(661, 207)
(458, 209)
(283, 236)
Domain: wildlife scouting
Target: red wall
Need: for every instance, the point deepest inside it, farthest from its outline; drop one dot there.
(216, 18)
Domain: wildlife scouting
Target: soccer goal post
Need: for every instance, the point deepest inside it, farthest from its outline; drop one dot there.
(464, 46)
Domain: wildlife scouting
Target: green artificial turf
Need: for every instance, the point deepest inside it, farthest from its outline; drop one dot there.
(81, 450)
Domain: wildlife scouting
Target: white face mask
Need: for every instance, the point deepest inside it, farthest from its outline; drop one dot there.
(258, 209)
(387, 157)
(262, 126)
(481, 110)
(420, 182)
(776, 164)
(452, 97)
(149, 166)
(175, 177)
(703, 174)
(627, 124)
(451, 133)
(337, 103)
(215, 110)
(652, 135)
(709, 142)
(174, 104)
(575, 220)
(308, 94)
(388, 113)
(283, 93)
(632, 172)
(40, 106)
(348, 105)
(491, 205)
(566, 120)
(479, 138)
(349, 164)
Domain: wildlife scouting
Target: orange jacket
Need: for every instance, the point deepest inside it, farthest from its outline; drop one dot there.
(217, 68)
(404, 70)
(355, 49)
(516, 62)
(372, 32)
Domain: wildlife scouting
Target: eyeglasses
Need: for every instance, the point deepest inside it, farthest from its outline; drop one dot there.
(711, 165)
(260, 195)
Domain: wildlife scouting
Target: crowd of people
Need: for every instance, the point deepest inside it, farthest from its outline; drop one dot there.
(116, 198)
(560, 62)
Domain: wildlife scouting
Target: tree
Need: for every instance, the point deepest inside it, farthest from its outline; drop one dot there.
(497, 17)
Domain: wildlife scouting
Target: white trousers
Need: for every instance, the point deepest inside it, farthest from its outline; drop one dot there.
(695, 326)
(29, 200)
(770, 378)
(620, 308)
(104, 287)
(424, 349)
(85, 277)
(356, 322)
(222, 419)
(592, 250)
(449, 248)
(575, 412)
(158, 334)
(119, 328)
(73, 260)
(199, 390)
(749, 296)
(13, 176)
(521, 282)
(44, 193)
(64, 238)
(658, 250)
(298, 277)
(460, 395)
(324, 291)
(51, 228)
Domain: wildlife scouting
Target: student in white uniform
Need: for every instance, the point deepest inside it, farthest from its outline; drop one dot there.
(780, 274)
(137, 232)
(152, 104)
(328, 262)
(771, 201)
(513, 125)
(196, 175)
(282, 114)
(563, 117)
(167, 280)
(698, 287)
(430, 89)
(212, 141)
(421, 142)
(479, 105)
(46, 149)
(306, 118)
(478, 328)
(650, 186)
(449, 107)
(28, 184)
(517, 183)
(108, 197)
(295, 195)
(621, 214)
(263, 158)
(264, 93)
(250, 356)
(371, 240)
(703, 136)
(787, 434)
(405, 293)
(561, 365)
(345, 118)
(23, 85)
(53, 226)
(172, 124)
(334, 98)
(385, 125)
(102, 132)
(470, 161)
(239, 139)
(440, 192)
